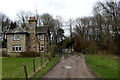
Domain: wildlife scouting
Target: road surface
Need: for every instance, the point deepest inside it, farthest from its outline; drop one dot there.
(71, 67)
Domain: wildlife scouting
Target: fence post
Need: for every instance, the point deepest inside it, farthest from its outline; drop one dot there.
(41, 60)
(45, 57)
(34, 65)
(26, 76)
(49, 57)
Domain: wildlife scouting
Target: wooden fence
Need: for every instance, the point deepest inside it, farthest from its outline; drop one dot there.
(34, 68)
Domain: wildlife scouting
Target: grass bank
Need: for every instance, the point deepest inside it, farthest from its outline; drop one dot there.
(105, 66)
(13, 67)
(47, 68)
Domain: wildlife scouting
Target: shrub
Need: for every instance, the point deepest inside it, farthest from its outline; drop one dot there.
(113, 48)
(4, 53)
(45, 54)
(53, 50)
(78, 44)
(30, 54)
(92, 47)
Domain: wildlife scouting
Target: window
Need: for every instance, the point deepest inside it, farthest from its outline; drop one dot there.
(42, 48)
(42, 37)
(18, 37)
(14, 36)
(19, 48)
(13, 48)
(16, 48)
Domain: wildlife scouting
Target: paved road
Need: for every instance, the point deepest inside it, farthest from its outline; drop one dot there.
(75, 68)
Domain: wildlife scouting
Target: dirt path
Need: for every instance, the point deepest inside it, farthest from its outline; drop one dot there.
(76, 68)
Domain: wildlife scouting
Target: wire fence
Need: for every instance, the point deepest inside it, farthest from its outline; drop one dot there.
(38, 63)
(22, 67)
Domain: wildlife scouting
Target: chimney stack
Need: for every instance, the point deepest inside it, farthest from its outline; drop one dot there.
(32, 20)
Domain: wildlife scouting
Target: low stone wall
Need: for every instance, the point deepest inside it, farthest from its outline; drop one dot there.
(3, 51)
(14, 54)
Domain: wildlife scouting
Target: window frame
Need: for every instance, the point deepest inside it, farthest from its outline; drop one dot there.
(19, 48)
(18, 37)
(13, 47)
(14, 36)
(42, 37)
(42, 47)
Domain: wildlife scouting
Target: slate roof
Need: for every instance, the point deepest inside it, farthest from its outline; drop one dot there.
(18, 30)
(42, 29)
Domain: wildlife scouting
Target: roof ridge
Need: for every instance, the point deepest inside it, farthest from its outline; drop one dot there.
(22, 29)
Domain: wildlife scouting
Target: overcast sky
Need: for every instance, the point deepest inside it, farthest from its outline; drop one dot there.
(65, 8)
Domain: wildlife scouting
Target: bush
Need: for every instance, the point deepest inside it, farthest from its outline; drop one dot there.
(113, 48)
(53, 50)
(92, 47)
(78, 43)
(4, 53)
(85, 51)
(45, 54)
(29, 54)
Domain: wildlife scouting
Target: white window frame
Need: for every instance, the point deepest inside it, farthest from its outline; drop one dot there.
(18, 37)
(42, 37)
(19, 48)
(41, 48)
(13, 46)
(14, 36)
(16, 47)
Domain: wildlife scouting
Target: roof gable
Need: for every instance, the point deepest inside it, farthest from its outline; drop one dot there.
(17, 30)
(42, 29)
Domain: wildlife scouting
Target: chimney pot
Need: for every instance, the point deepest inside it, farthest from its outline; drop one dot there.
(32, 18)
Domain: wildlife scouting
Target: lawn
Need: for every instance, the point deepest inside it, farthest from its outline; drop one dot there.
(47, 68)
(13, 67)
(103, 65)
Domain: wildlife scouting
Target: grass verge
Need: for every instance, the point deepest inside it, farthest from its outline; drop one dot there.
(104, 66)
(47, 68)
(13, 67)
(72, 54)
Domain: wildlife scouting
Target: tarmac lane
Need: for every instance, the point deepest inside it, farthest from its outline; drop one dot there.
(71, 67)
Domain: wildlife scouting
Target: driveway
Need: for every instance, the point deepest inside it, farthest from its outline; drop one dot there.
(71, 67)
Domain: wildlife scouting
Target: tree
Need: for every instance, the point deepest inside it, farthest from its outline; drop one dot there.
(46, 19)
(66, 42)
(55, 26)
(60, 35)
(23, 17)
(13, 25)
(70, 24)
(77, 46)
(58, 31)
(102, 30)
(111, 24)
(5, 24)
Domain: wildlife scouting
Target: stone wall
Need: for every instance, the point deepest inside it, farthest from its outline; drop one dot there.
(11, 41)
(44, 42)
(3, 51)
(32, 37)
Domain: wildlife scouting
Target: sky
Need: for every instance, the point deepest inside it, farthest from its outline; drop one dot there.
(65, 8)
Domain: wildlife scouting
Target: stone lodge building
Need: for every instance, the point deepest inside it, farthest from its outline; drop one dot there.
(33, 38)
